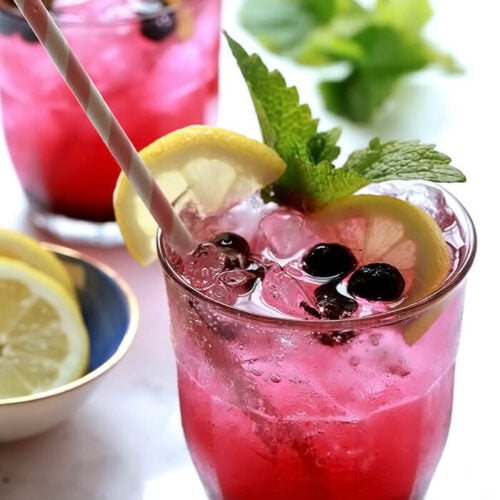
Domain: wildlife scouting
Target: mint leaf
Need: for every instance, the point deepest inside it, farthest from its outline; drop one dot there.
(283, 26)
(407, 15)
(289, 128)
(310, 180)
(321, 11)
(310, 187)
(286, 125)
(408, 160)
(389, 50)
(280, 26)
(359, 95)
(387, 55)
(381, 45)
(323, 146)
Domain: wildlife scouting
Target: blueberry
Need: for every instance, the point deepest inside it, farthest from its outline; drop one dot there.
(376, 281)
(328, 260)
(309, 309)
(235, 248)
(232, 243)
(28, 35)
(11, 23)
(332, 304)
(7, 23)
(257, 270)
(334, 337)
(157, 21)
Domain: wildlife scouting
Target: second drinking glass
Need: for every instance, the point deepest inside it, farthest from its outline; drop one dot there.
(156, 65)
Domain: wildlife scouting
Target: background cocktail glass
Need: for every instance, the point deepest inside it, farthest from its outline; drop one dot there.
(156, 66)
(345, 409)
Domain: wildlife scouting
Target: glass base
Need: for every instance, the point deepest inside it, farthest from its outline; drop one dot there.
(70, 230)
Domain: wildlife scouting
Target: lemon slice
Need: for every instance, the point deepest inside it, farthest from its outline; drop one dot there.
(386, 229)
(19, 246)
(43, 340)
(209, 166)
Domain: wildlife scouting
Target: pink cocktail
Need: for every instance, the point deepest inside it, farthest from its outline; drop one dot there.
(279, 403)
(156, 65)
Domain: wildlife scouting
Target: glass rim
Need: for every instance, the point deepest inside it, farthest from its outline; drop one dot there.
(74, 20)
(398, 314)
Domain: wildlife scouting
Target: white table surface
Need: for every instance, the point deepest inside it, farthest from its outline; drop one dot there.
(126, 443)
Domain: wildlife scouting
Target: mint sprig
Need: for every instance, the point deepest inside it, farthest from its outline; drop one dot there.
(311, 180)
(380, 45)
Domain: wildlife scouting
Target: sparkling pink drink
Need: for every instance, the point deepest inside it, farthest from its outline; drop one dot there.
(156, 65)
(279, 403)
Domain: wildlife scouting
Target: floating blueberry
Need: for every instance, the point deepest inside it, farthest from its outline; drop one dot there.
(7, 23)
(11, 23)
(235, 248)
(232, 243)
(328, 260)
(378, 281)
(310, 310)
(332, 304)
(157, 21)
(257, 270)
(334, 337)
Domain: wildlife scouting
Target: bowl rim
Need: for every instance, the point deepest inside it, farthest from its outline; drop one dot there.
(122, 349)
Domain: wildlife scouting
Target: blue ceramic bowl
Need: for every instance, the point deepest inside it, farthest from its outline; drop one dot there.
(110, 313)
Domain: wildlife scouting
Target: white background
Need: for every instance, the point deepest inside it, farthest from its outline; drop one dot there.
(126, 442)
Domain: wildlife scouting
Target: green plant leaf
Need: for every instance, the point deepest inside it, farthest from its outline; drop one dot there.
(406, 160)
(381, 44)
(310, 180)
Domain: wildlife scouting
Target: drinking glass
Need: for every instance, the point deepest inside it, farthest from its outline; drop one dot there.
(156, 65)
(344, 409)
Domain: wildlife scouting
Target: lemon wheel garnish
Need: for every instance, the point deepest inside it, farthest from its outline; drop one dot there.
(24, 248)
(209, 166)
(43, 340)
(386, 229)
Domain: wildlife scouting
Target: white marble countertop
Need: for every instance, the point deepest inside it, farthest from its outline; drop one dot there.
(126, 443)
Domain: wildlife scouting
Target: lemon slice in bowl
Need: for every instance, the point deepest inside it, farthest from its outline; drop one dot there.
(209, 166)
(385, 229)
(21, 247)
(43, 340)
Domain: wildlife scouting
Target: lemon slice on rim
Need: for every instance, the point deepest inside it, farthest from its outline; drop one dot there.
(209, 166)
(21, 247)
(43, 340)
(385, 229)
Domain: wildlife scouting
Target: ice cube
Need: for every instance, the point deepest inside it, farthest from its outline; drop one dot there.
(240, 280)
(284, 293)
(432, 200)
(284, 233)
(203, 266)
(424, 195)
(202, 227)
(244, 217)
(222, 293)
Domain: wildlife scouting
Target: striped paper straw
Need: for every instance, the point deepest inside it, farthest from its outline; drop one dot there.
(105, 123)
